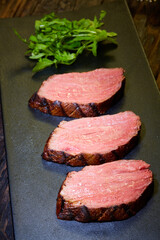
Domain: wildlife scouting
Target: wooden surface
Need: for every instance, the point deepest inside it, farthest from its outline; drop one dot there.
(147, 21)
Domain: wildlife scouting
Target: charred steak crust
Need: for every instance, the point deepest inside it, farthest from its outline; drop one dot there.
(67, 211)
(74, 110)
(87, 159)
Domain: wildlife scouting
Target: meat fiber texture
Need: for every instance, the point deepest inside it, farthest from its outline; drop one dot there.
(77, 95)
(108, 192)
(92, 141)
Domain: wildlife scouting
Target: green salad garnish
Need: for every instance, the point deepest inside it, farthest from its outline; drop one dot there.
(60, 41)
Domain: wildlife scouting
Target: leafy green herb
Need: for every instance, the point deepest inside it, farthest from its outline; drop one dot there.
(60, 41)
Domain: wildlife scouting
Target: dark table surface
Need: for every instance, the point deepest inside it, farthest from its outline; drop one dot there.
(147, 22)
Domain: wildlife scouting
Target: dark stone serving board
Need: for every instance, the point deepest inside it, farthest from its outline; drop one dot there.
(34, 183)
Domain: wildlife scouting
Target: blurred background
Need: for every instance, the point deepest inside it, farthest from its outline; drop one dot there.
(146, 17)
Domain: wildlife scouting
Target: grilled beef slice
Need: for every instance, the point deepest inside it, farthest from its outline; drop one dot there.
(77, 95)
(107, 192)
(92, 141)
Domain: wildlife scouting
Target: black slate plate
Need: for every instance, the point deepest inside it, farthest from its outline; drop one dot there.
(35, 183)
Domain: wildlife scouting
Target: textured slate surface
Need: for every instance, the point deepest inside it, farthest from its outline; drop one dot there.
(34, 183)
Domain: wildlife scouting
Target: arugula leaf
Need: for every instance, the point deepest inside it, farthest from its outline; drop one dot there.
(19, 36)
(60, 41)
(43, 63)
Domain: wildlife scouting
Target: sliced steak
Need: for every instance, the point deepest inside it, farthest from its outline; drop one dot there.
(77, 95)
(89, 141)
(108, 192)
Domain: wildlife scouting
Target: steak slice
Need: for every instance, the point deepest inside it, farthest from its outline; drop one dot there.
(77, 95)
(108, 192)
(92, 141)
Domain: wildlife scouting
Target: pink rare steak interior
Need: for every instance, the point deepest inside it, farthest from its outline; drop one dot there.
(107, 192)
(79, 94)
(95, 140)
